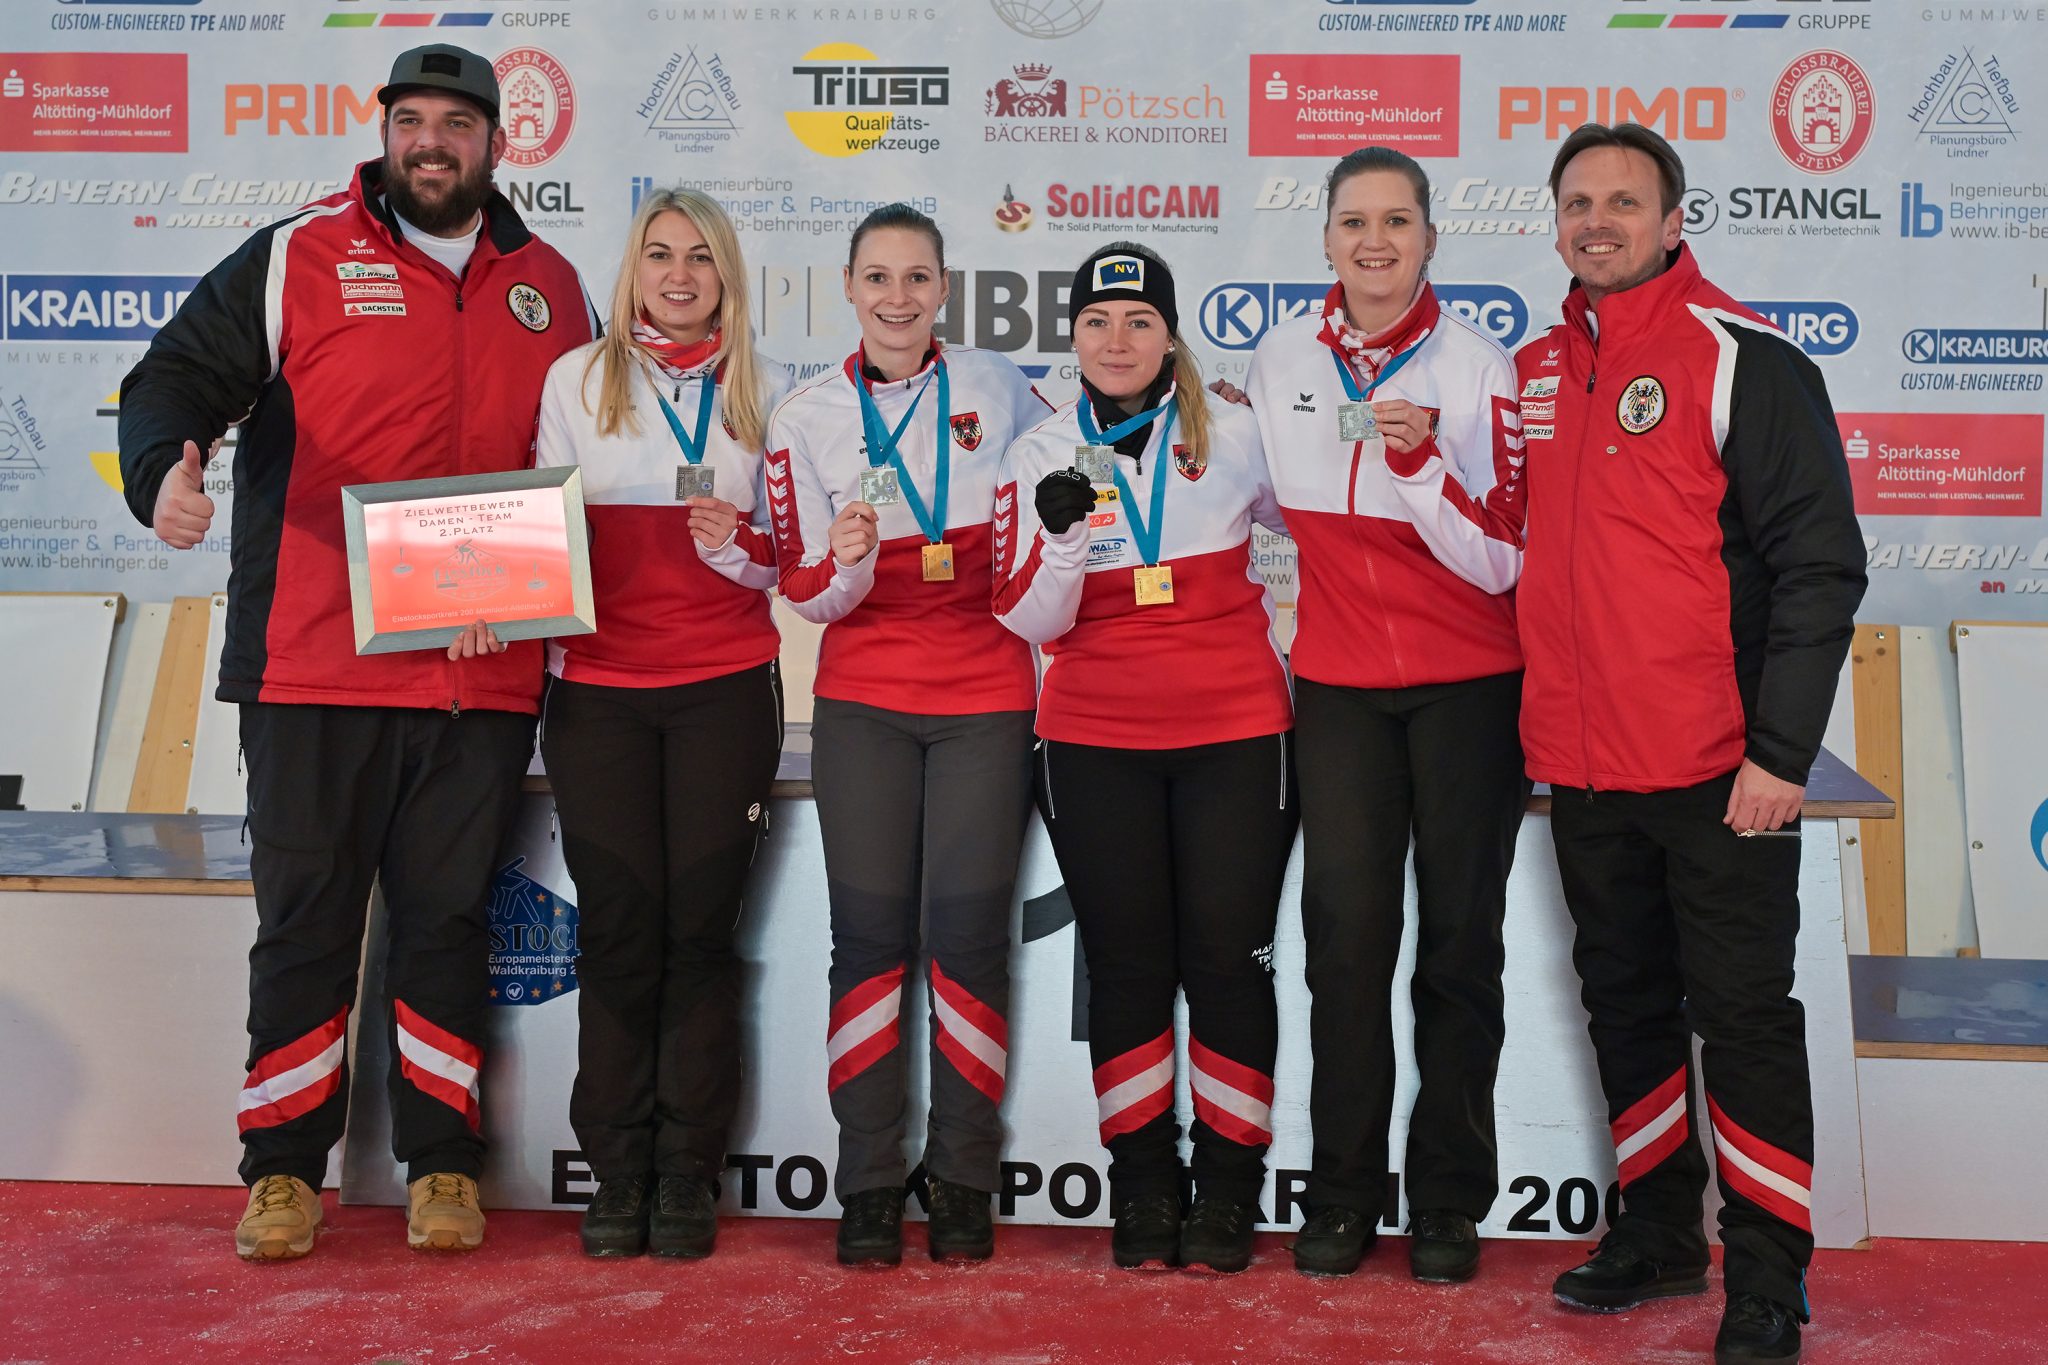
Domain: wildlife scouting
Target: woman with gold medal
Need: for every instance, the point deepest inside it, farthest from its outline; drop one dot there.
(1164, 770)
(881, 477)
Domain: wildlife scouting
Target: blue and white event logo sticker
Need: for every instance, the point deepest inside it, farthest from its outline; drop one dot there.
(533, 940)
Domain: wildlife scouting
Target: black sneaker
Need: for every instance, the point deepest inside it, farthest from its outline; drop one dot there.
(871, 1228)
(960, 1223)
(1618, 1277)
(1217, 1236)
(1333, 1241)
(685, 1221)
(1756, 1328)
(615, 1224)
(1147, 1232)
(1443, 1247)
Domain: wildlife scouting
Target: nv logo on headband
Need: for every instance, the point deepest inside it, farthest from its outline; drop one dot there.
(1120, 272)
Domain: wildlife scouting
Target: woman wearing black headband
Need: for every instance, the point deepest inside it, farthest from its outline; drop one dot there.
(1122, 539)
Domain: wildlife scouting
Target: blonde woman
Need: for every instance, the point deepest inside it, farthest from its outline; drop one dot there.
(1164, 771)
(662, 730)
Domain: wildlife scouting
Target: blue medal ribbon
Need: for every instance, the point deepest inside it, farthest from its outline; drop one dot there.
(1145, 533)
(1386, 372)
(1117, 432)
(693, 450)
(932, 523)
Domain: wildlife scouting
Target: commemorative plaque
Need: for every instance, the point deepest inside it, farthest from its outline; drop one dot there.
(426, 557)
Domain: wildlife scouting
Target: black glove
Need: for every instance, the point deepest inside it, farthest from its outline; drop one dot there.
(1064, 497)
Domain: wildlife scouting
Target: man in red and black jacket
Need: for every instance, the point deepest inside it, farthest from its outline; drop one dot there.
(1692, 568)
(398, 330)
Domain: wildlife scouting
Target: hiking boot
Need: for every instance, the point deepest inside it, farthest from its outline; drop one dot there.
(685, 1221)
(871, 1228)
(1217, 1236)
(1755, 1328)
(1618, 1277)
(279, 1224)
(1147, 1232)
(1443, 1247)
(615, 1224)
(1333, 1241)
(960, 1223)
(443, 1213)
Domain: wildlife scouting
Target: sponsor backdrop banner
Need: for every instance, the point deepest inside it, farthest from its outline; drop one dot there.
(1868, 173)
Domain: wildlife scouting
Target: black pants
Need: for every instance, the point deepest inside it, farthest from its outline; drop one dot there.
(919, 813)
(1443, 763)
(1684, 928)
(420, 801)
(1173, 860)
(662, 794)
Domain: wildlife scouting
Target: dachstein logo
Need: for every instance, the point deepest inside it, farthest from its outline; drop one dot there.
(1234, 316)
(90, 307)
(852, 103)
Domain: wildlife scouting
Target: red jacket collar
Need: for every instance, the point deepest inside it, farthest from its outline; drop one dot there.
(1641, 309)
(503, 232)
(1418, 321)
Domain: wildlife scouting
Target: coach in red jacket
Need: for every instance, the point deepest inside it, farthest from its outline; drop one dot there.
(1692, 567)
(399, 330)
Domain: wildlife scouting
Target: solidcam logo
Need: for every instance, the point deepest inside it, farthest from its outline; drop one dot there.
(857, 104)
(1234, 316)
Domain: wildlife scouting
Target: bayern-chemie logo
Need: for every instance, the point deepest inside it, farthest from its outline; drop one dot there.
(536, 105)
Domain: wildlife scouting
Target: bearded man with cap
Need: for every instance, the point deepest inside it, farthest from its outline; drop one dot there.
(1164, 771)
(398, 330)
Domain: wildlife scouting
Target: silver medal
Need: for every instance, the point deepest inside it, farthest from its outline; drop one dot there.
(1096, 463)
(878, 487)
(1355, 422)
(695, 481)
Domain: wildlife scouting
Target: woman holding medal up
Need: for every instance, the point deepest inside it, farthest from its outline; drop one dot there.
(1164, 770)
(1391, 427)
(662, 730)
(881, 475)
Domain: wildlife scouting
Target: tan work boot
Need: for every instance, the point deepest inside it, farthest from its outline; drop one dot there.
(443, 1214)
(279, 1224)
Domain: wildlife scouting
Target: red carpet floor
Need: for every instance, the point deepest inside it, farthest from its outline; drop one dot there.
(117, 1274)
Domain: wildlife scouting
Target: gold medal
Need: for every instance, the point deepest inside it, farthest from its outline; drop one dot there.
(1154, 584)
(938, 564)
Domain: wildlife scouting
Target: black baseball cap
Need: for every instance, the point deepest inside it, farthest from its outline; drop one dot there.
(443, 66)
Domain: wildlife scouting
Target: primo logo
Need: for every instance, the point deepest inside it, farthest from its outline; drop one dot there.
(1234, 316)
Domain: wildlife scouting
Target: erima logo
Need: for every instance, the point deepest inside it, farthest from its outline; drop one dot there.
(1307, 403)
(1120, 272)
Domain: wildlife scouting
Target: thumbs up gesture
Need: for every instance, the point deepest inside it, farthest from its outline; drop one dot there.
(183, 511)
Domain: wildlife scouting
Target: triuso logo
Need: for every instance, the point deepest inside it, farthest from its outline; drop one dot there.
(853, 103)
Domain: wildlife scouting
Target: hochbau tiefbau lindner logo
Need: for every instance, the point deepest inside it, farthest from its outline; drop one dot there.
(1966, 106)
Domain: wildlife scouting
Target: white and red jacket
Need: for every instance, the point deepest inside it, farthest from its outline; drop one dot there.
(893, 640)
(669, 611)
(1201, 669)
(1406, 561)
